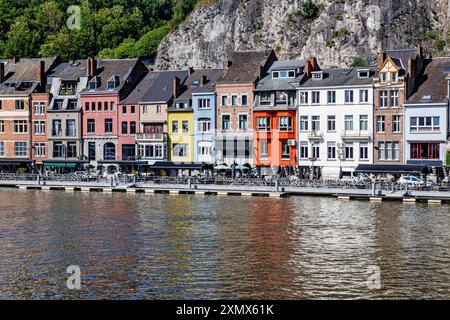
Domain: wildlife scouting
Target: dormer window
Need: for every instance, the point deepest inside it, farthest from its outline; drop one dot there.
(95, 83)
(275, 75)
(317, 75)
(283, 74)
(394, 77)
(383, 77)
(113, 83)
(363, 74)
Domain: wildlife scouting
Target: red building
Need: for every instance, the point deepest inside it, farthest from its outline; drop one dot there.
(275, 116)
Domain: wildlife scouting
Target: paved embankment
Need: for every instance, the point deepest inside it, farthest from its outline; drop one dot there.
(431, 197)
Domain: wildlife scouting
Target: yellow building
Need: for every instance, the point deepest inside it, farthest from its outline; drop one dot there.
(181, 134)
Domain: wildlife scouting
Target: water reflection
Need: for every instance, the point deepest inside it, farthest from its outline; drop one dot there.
(187, 247)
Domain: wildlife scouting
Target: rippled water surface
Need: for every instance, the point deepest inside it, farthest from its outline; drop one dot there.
(190, 247)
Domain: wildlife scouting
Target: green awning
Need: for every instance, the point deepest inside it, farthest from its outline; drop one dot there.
(60, 165)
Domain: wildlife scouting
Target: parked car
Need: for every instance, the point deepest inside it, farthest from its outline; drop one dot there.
(415, 181)
(83, 175)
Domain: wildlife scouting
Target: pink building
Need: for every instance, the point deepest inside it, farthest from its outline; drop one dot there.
(110, 81)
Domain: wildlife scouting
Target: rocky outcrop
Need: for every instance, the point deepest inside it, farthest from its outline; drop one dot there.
(341, 31)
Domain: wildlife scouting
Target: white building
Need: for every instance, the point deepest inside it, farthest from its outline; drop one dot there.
(335, 118)
(426, 116)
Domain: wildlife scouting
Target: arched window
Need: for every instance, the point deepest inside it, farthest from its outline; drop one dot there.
(109, 152)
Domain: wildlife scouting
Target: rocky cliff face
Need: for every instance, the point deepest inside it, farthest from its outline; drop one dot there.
(335, 31)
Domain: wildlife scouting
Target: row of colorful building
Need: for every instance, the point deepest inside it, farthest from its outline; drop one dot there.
(257, 111)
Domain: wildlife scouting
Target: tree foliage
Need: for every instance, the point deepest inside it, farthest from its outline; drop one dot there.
(109, 28)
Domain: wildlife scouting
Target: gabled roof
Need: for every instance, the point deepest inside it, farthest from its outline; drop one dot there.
(400, 57)
(268, 84)
(432, 84)
(193, 83)
(341, 77)
(155, 87)
(107, 69)
(245, 66)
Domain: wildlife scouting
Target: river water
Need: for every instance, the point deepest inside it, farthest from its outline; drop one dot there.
(136, 246)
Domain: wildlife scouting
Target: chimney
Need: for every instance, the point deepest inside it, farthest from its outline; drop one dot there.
(419, 50)
(314, 64)
(2, 72)
(204, 79)
(91, 67)
(40, 73)
(381, 56)
(176, 87)
(308, 68)
(190, 71)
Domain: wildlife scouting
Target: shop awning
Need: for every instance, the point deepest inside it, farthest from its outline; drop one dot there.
(166, 165)
(392, 169)
(13, 162)
(63, 164)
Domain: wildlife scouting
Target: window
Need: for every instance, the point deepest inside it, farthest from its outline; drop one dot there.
(363, 123)
(99, 106)
(394, 99)
(72, 149)
(109, 152)
(2, 126)
(304, 123)
(105, 106)
(331, 97)
(363, 74)
(180, 150)
(226, 122)
(381, 124)
(1, 105)
(20, 126)
(388, 150)
(39, 128)
(108, 125)
(383, 77)
(281, 97)
(429, 151)
(124, 109)
(363, 96)
(285, 123)
(86, 106)
(425, 124)
(315, 123)
(71, 128)
(243, 122)
(363, 151)
(174, 126)
(317, 75)
(263, 149)
(244, 100)
(91, 125)
(158, 109)
(348, 123)
(315, 97)
(263, 123)
(185, 125)
(20, 149)
(20, 105)
(204, 125)
(112, 106)
(92, 106)
(348, 151)
(39, 108)
(383, 99)
(2, 149)
(124, 127)
(234, 101)
(304, 97)
(304, 150)
(396, 124)
(316, 151)
(39, 150)
(331, 152)
(331, 123)
(394, 77)
(72, 104)
(285, 150)
(56, 128)
(91, 150)
(266, 98)
(133, 127)
(204, 104)
(224, 101)
(132, 109)
(58, 104)
(348, 96)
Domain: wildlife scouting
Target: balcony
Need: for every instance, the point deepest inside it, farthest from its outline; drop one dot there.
(151, 137)
(362, 135)
(315, 135)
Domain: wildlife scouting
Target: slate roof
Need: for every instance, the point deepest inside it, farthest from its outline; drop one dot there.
(155, 87)
(107, 68)
(268, 84)
(432, 82)
(24, 70)
(245, 66)
(70, 71)
(341, 77)
(400, 57)
(190, 87)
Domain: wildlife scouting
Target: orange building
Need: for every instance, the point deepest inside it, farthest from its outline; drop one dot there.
(275, 116)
